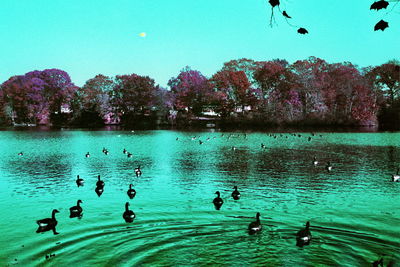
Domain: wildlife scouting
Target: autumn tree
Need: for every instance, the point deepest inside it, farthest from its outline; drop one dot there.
(232, 89)
(312, 77)
(35, 96)
(133, 96)
(278, 93)
(191, 90)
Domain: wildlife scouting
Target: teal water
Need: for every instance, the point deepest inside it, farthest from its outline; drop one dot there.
(353, 210)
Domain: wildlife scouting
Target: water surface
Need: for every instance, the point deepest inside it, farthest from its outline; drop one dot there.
(353, 210)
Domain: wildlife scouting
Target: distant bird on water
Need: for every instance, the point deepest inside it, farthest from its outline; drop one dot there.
(79, 181)
(236, 193)
(255, 227)
(131, 192)
(396, 177)
(76, 211)
(48, 223)
(20, 154)
(128, 215)
(315, 161)
(303, 236)
(138, 171)
(87, 155)
(328, 166)
(99, 182)
(218, 201)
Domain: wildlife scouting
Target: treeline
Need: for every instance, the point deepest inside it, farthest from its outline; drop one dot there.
(244, 91)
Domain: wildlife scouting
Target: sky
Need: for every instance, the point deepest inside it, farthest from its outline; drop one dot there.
(89, 37)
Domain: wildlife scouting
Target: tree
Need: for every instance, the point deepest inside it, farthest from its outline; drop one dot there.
(312, 77)
(278, 91)
(133, 96)
(191, 91)
(93, 100)
(33, 97)
(348, 96)
(233, 89)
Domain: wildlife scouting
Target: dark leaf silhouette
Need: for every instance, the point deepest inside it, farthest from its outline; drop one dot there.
(379, 5)
(381, 25)
(286, 15)
(302, 31)
(274, 3)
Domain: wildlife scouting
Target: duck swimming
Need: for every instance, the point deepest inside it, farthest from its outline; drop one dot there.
(129, 155)
(99, 182)
(304, 236)
(128, 215)
(87, 155)
(315, 161)
(79, 181)
(236, 193)
(138, 171)
(20, 154)
(396, 177)
(328, 166)
(255, 226)
(218, 201)
(76, 211)
(131, 192)
(48, 223)
(124, 151)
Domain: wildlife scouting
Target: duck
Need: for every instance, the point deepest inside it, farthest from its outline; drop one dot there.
(236, 193)
(48, 223)
(131, 192)
(200, 142)
(233, 148)
(129, 155)
(255, 227)
(328, 166)
(100, 183)
(218, 201)
(104, 150)
(128, 215)
(79, 181)
(138, 171)
(76, 211)
(304, 235)
(396, 177)
(124, 151)
(262, 146)
(87, 155)
(20, 154)
(315, 161)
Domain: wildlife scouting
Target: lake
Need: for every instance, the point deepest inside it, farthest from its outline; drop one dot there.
(353, 210)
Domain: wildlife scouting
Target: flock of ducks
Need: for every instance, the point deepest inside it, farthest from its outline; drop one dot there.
(303, 236)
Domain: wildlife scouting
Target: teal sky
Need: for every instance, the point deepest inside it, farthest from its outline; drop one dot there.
(88, 37)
